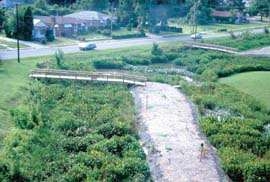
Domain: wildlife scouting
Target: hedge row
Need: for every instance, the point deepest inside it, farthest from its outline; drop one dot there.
(128, 35)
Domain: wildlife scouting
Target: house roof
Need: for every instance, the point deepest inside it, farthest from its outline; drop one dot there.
(60, 20)
(224, 14)
(89, 15)
(39, 23)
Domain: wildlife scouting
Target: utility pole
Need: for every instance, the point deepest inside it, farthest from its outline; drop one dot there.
(195, 23)
(17, 33)
(112, 14)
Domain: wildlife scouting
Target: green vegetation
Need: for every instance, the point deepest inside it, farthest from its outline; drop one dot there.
(77, 132)
(13, 84)
(214, 27)
(210, 65)
(257, 84)
(235, 122)
(10, 44)
(124, 34)
(92, 36)
(24, 30)
(244, 42)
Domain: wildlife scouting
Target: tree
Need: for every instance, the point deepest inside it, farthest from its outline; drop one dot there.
(28, 24)
(2, 18)
(200, 12)
(41, 4)
(125, 12)
(141, 13)
(261, 7)
(92, 4)
(25, 25)
(236, 4)
(49, 35)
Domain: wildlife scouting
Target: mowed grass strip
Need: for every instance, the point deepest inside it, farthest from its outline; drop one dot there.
(251, 41)
(256, 84)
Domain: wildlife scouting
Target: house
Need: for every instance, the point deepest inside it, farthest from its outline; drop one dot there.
(39, 30)
(92, 19)
(62, 26)
(229, 17)
(71, 25)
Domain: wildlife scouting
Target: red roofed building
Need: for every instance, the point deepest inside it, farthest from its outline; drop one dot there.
(228, 17)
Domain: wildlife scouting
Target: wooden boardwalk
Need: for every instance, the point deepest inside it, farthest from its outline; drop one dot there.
(111, 77)
(211, 47)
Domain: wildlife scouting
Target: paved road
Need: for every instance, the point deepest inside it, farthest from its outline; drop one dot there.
(102, 45)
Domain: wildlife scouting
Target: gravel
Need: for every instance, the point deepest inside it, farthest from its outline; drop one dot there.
(171, 138)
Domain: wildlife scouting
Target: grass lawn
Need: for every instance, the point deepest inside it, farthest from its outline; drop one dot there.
(93, 36)
(216, 27)
(62, 41)
(10, 44)
(256, 84)
(13, 78)
(243, 43)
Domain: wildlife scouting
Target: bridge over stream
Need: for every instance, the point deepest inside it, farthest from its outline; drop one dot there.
(110, 77)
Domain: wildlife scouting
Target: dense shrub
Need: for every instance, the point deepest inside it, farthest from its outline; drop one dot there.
(212, 65)
(134, 60)
(236, 127)
(178, 62)
(258, 171)
(156, 50)
(108, 64)
(233, 162)
(159, 59)
(22, 119)
(128, 35)
(87, 135)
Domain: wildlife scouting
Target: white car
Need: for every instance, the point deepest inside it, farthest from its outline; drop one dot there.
(87, 46)
(196, 36)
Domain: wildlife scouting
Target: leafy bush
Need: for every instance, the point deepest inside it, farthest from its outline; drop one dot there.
(178, 62)
(233, 162)
(22, 119)
(156, 50)
(134, 60)
(107, 64)
(258, 171)
(59, 56)
(215, 64)
(128, 35)
(78, 141)
(159, 59)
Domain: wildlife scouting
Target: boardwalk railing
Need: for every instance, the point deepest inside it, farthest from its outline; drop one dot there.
(211, 47)
(90, 76)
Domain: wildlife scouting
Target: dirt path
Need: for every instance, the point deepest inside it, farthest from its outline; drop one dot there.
(171, 138)
(260, 52)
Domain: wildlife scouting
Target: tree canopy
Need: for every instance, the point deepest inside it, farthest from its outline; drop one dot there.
(25, 24)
